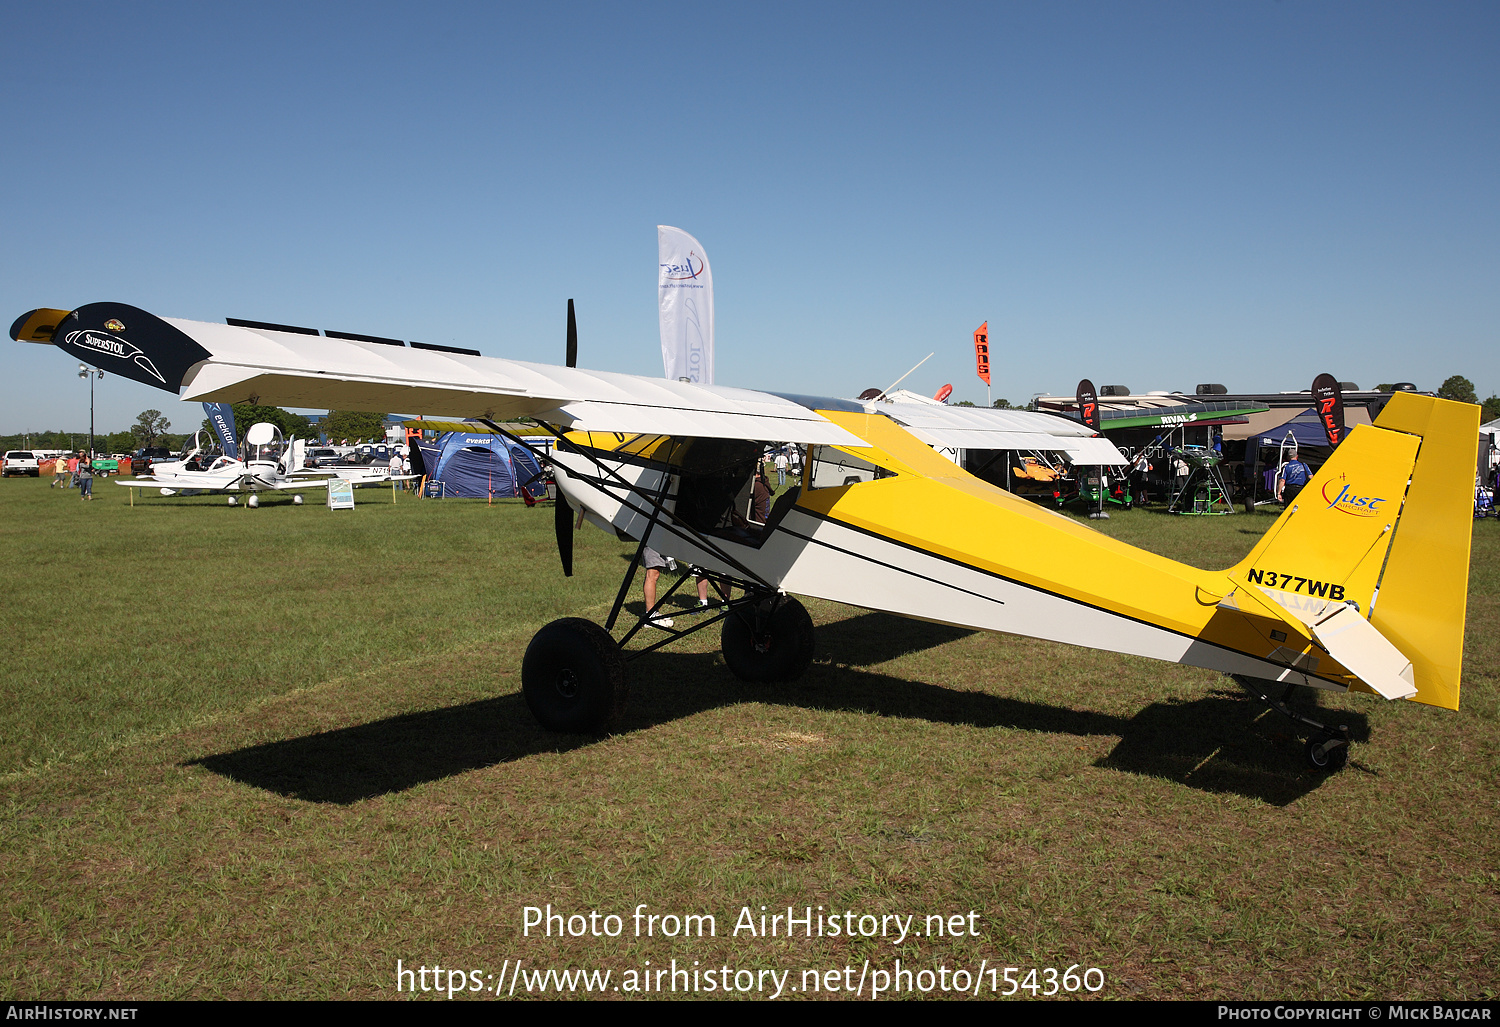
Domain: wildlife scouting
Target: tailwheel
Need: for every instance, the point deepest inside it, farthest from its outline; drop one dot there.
(769, 640)
(1328, 753)
(573, 677)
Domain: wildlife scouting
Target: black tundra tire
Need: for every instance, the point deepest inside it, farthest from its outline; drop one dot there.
(573, 677)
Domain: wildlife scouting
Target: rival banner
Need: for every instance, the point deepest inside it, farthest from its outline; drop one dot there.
(1088, 404)
(982, 351)
(685, 292)
(221, 416)
(1328, 401)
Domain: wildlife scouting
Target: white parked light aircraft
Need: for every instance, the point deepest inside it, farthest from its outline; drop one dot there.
(952, 430)
(1360, 586)
(270, 465)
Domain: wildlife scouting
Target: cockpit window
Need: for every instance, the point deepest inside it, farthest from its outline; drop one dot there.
(831, 468)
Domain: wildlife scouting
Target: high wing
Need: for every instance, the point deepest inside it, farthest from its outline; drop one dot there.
(233, 364)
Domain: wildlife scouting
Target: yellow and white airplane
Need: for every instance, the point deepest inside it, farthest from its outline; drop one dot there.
(1359, 586)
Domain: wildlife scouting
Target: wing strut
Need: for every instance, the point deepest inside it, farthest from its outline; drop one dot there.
(640, 549)
(759, 602)
(673, 524)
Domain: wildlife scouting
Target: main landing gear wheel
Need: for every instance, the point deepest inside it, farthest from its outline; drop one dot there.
(769, 641)
(573, 677)
(1327, 753)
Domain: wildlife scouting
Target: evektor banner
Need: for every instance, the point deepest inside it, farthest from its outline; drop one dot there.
(221, 416)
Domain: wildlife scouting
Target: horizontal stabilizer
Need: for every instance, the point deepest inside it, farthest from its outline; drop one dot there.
(1353, 641)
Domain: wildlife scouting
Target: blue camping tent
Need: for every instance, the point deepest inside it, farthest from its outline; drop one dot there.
(1306, 431)
(473, 465)
(1306, 428)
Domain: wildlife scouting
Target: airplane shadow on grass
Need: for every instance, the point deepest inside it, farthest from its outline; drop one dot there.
(1223, 742)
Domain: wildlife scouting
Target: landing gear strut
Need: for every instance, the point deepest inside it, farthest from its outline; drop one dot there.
(1327, 749)
(574, 673)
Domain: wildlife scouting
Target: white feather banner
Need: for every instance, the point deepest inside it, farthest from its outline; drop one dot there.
(686, 294)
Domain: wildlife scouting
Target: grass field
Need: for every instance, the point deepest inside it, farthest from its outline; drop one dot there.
(269, 753)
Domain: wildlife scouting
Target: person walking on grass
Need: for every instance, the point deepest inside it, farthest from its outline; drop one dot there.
(85, 477)
(61, 477)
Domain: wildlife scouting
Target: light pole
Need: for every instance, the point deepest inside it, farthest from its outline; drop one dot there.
(85, 372)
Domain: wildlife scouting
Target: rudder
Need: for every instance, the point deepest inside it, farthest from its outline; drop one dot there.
(1424, 591)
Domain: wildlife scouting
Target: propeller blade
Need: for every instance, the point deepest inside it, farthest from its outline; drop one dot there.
(572, 337)
(562, 523)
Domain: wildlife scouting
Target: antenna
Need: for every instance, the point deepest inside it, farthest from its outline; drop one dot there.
(907, 375)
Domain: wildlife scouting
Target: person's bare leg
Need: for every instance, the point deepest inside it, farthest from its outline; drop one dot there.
(652, 574)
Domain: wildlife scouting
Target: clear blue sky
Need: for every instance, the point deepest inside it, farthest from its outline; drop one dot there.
(1155, 194)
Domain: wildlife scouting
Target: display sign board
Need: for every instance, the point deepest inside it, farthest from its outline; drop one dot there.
(340, 495)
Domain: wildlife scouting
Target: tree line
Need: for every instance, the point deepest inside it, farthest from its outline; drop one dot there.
(152, 429)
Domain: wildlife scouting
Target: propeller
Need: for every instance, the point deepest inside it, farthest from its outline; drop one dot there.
(562, 514)
(572, 337)
(562, 524)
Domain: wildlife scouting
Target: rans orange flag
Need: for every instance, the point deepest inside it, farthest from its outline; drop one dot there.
(982, 351)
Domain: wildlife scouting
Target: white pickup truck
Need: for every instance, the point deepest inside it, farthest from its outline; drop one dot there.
(20, 461)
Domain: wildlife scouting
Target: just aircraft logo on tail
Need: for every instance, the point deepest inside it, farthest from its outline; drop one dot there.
(113, 346)
(1342, 497)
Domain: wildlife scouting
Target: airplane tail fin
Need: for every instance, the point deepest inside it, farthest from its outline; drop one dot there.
(1425, 588)
(1384, 527)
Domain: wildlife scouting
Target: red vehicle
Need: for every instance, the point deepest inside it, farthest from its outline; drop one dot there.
(141, 462)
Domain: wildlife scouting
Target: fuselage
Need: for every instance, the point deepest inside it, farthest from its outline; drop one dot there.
(897, 528)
